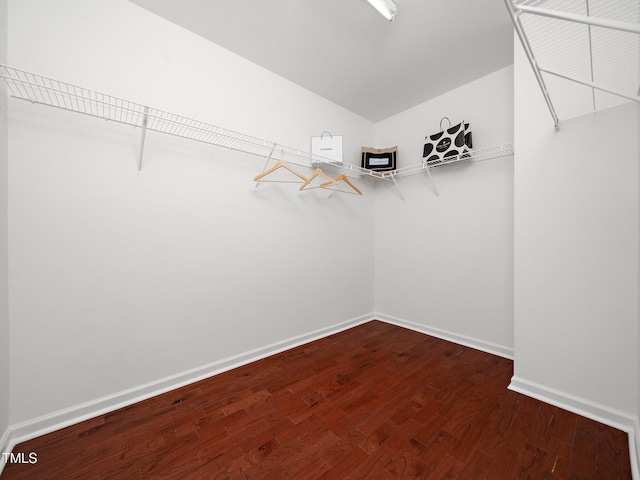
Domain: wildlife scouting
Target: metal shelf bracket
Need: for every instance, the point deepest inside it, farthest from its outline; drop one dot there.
(145, 121)
(534, 65)
(264, 167)
(433, 184)
(393, 177)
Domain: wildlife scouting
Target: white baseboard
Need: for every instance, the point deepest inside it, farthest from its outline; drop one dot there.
(5, 446)
(586, 408)
(36, 427)
(63, 418)
(493, 348)
(48, 423)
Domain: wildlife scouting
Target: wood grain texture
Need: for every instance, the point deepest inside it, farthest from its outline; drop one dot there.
(373, 402)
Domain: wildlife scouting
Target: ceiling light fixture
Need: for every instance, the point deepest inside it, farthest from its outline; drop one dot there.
(387, 8)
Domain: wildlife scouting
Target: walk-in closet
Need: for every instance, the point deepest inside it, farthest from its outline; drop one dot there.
(342, 239)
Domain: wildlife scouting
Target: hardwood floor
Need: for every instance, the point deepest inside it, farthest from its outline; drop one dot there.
(373, 402)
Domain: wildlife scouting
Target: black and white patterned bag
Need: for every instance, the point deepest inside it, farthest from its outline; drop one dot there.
(455, 140)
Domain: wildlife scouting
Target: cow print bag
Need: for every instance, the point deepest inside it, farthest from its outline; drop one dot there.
(455, 140)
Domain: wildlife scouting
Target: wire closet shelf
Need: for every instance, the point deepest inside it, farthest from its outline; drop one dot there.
(585, 54)
(55, 93)
(43, 90)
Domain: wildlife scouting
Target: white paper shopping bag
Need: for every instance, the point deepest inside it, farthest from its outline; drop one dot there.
(327, 147)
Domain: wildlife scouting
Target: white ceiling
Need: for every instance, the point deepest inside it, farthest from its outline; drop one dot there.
(345, 51)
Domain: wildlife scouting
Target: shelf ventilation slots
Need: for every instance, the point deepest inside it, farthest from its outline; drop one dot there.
(585, 53)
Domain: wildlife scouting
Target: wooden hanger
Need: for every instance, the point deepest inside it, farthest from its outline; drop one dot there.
(316, 173)
(281, 164)
(341, 178)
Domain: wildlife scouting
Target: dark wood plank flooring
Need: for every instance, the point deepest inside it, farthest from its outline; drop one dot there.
(373, 402)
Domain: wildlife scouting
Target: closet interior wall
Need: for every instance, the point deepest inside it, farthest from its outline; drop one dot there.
(576, 255)
(446, 263)
(4, 239)
(119, 280)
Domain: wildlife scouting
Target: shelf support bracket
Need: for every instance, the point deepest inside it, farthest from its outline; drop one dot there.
(433, 184)
(592, 85)
(266, 162)
(393, 177)
(527, 49)
(145, 121)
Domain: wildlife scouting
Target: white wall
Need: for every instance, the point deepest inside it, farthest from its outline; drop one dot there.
(576, 253)
(446, 262)
(118, 280)
(4, 254)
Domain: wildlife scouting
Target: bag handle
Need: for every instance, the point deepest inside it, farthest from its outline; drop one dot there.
(328, 133)
(443, 118)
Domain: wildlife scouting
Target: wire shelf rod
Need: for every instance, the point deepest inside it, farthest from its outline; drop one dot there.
(620, 10)
(585, 19)
(67, 104)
